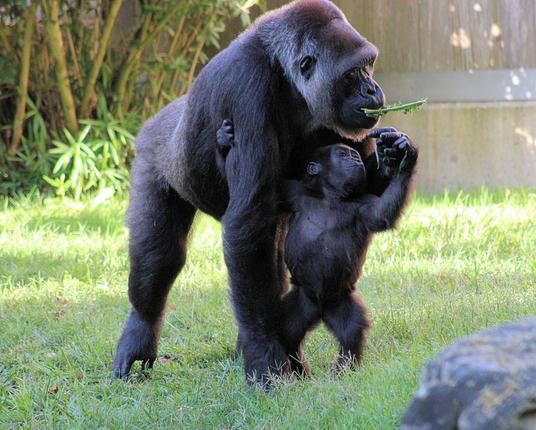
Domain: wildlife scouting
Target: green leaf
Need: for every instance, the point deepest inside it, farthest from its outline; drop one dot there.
(405, 107)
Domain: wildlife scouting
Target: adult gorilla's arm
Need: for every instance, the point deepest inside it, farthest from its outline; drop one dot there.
(249, 231)
(249, 228)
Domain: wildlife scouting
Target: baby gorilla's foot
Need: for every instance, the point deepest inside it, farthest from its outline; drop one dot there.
(225, 137)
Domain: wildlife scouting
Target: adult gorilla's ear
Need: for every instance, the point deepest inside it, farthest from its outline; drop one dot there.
(313, 168)
(307, 64)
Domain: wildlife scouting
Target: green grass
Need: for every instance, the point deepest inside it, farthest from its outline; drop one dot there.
(454, 266)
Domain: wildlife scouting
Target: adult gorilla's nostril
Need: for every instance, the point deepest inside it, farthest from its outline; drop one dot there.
(374, 95)
(367, 89)
(379, 96)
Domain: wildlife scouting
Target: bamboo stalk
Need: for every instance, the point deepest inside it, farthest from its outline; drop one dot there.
(189, 40)
(128, 63)
(85, 107)
(5, 42)
(94, 40)
(195, 61)
(18, 122)
(171, 52)
(58, 53)
(76, 65)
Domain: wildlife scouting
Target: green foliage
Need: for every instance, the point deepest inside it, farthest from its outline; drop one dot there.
(95, 159)
(23, 172)
(396, 107)
(145, 64)
(456, 264)
(84, 163)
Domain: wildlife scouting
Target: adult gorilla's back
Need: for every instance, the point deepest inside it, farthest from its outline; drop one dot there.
(295, 79)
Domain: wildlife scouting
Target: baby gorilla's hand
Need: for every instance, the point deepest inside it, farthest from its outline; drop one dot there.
(225, 136)
(395, 150)
(411, 153)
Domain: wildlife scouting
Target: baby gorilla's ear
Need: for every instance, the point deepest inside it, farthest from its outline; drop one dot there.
(313, 168)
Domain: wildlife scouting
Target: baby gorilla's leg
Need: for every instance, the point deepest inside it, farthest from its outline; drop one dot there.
(347, 319)
(301, 315)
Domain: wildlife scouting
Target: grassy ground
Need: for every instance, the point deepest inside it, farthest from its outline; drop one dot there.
(455, 265)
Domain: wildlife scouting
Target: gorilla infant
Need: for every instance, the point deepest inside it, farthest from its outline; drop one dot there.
(333, 218)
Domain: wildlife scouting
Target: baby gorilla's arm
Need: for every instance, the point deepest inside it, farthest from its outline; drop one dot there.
(382, 213)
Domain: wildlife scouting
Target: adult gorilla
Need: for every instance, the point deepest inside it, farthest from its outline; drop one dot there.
(296, 79)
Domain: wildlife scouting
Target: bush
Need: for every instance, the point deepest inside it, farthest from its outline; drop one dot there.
(74, 89)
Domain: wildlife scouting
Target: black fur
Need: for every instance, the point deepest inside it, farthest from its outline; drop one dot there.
(331, 228)
(281, 111)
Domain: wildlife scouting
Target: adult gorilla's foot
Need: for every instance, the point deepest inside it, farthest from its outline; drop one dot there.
(264, 361)
(139, 341)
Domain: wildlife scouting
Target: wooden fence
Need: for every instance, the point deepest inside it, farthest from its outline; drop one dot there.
(475, 61)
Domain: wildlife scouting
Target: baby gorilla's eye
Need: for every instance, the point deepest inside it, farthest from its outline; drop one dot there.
(341, 153)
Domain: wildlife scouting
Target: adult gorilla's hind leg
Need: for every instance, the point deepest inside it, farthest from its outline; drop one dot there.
(159, 222)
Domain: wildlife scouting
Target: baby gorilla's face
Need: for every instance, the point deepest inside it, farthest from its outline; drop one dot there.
(340, 169)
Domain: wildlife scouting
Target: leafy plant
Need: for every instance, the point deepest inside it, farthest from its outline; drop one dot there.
(81, 69)
(94, 159)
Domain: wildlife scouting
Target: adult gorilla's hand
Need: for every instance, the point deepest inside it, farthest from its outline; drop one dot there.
(391, 146)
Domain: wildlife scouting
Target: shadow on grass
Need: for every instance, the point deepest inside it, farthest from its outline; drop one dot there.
(73, 335)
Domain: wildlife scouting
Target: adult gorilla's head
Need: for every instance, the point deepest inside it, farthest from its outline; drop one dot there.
(329, 63)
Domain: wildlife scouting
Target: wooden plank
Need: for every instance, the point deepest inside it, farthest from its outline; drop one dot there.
(462, 86)
(438, 35)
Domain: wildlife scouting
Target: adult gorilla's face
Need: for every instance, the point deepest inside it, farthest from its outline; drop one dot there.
(353, 88)
(336, 65)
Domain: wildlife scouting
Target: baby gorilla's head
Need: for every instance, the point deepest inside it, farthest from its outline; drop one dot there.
(337, 170)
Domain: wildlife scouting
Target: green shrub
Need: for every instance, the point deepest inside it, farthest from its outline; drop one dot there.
(66, 68)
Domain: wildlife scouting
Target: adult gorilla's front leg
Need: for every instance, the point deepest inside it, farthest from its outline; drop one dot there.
(283, 280)
(249, 240)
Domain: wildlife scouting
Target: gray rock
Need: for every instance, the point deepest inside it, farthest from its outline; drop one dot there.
(486, 381)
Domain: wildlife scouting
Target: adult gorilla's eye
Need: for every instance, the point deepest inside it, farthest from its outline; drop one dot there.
(341, 153)
(306, 63)
(352, 75)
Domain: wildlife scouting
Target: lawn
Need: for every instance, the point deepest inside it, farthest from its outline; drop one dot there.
(455, 265)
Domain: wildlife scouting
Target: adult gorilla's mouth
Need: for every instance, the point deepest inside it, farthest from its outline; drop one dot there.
(364, 120)
(353, 124)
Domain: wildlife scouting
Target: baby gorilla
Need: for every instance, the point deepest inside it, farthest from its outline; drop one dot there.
(328, 236)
